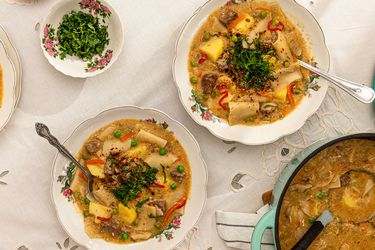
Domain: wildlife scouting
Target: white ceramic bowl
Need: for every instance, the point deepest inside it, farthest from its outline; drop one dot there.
(71, 65)
(72, 222)
(251, 135)
(9, 93)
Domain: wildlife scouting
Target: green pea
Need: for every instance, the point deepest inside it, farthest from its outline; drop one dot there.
(157, 224)
(286, 64)
(194, 64)
(276, 21)
(193, 79)
(320, 196)
(263, 14)
(173, 185)
(163, 151)
(133, 143)
(234, 38)
(311, 221)
(86, 200)
(117, 133)
(124, 236)
(180, 169)
(138, 210)
(206, 36)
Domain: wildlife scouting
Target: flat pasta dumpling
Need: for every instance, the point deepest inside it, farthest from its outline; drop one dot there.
(115, 144)
(282, 48)
(285, 79)
(151, 138)
(238, 111)
(156, 160)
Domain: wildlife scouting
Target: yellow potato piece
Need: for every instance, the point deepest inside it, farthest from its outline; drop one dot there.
(349, 200)
(244, 26)
(96, 170)
(281, 94)
(99, 210)
(127, 215)
(138, 151)
(213, 48)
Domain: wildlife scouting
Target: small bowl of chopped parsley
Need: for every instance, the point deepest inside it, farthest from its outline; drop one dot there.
(81, 38)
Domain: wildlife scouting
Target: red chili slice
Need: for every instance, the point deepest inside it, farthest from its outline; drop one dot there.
(157, 185)
(103, 219)
(279, 27)
(224, 95)
(202, 59)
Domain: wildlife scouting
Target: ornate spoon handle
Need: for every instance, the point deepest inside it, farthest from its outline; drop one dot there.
(359, 91)
(43, 131)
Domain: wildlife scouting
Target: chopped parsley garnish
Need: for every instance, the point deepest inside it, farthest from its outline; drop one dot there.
(141, 176)
(81, 35)
(247, 65)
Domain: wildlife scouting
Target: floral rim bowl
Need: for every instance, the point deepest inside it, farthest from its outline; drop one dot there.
(62, 173)
(71, 65)
(262, 134)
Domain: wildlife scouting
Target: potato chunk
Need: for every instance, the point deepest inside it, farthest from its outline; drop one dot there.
(213, 48)
(99, 210)
(244, 26)
(96, 170)
(127, 214)
(281, 94)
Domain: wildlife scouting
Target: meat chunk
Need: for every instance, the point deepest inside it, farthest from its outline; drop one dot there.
(93, 146)
(179, 177)
(222, 64)
(162, 204)
(345, 179)
(114, 227)
(227, 16)
(208, 82)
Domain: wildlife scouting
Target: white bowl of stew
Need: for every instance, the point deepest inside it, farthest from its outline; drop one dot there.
(236, 71)
(336, 175)
(119, 147)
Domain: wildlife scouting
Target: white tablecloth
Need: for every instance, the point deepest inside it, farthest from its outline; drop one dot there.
(142, 76)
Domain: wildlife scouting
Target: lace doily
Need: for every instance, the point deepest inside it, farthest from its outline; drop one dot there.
(21, 2)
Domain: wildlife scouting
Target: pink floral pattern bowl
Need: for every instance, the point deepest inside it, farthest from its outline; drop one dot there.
(74, 66)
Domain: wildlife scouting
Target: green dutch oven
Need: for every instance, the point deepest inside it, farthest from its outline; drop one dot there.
(271, 218)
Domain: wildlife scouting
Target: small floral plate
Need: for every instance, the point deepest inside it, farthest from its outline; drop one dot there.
(71, 65)
(62, 173)
(262, 134)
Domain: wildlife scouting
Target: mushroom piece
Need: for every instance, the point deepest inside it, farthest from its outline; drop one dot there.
(300, 187)
(268, 107)
(345, 179)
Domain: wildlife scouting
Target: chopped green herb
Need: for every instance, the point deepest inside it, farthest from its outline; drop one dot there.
(86, 200)
(247, 65)
(164, 174)
(141, 203)
(249, 119)
(320, 196)
(157, 224)
(82, 35)
(213, 94)
(86, 213)
(311, 221)
(151, 216)
(194, 64)
(263, 14)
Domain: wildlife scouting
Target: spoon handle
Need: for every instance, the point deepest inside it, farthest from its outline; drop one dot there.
(359, 91)
(43, 131)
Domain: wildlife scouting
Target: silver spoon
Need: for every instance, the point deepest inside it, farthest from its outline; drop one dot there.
(43, 131)
(359, 91)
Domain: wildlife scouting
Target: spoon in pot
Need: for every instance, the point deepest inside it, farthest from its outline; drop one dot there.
(43, 131)
(359, 91)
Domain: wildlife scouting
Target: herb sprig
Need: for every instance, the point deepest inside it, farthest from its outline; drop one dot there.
(247, 65)
(82, 35)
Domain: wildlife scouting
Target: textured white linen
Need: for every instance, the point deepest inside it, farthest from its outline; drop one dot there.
(142, 76)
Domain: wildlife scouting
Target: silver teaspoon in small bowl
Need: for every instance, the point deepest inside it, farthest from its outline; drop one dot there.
(43, 131)
(359, 91)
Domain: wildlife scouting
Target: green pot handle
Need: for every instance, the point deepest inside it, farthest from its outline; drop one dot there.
(267, 221)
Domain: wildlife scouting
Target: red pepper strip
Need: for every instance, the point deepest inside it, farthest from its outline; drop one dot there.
(292, 86)
(177, 205)
(103, 219)
(127, 136)
(280, 27)
(157, 185)
(290, 95)
(224, 95)
(95, 161)
(221, 86)
(202, 59)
